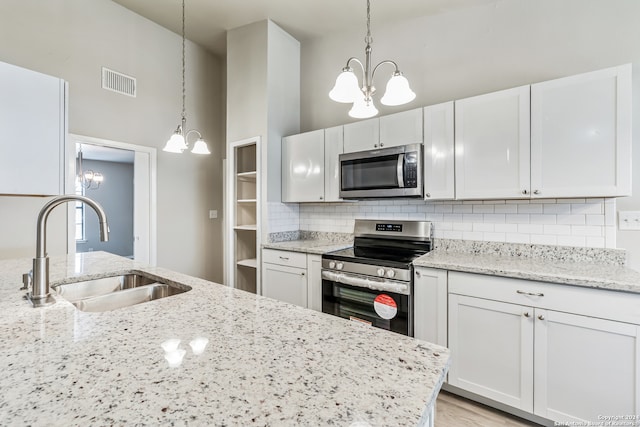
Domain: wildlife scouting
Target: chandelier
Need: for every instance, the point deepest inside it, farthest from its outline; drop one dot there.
(348, 90)
(179, 141)
(89, 179)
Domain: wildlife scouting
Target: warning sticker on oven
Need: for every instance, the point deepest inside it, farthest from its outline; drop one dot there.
(385, 306)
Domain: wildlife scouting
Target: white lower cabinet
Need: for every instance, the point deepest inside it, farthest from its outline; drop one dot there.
(525, 349)
(430, 305)
(492, 347)
(585, 367)
(292, 277)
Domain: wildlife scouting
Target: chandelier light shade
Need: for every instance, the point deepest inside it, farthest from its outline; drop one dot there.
(178, 142)
(348, 90)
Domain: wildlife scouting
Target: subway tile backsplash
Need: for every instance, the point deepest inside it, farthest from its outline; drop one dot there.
(565, 222)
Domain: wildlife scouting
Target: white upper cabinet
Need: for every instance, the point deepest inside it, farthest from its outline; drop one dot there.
(33, 129)
(333, 147)
(492, 142)
(303, 167)
(387, 131)
(361, 136)
(581, 135)
(401, 128)
(439, 172)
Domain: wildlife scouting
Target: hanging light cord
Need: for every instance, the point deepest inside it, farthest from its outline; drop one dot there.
(184, 113)
(368, 39)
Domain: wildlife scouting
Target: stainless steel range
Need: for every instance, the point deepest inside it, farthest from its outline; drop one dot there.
(373, 281)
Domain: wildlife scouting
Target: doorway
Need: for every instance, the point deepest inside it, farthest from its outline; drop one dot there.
(121, 177)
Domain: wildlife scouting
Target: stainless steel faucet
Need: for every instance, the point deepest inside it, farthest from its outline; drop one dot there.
(38, 278)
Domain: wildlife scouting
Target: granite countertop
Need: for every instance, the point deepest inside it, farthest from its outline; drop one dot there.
(310, 246)
(266, 362)
(578, 273)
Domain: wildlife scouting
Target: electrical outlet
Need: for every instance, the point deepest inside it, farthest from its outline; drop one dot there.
(213, 214)
(629, 220)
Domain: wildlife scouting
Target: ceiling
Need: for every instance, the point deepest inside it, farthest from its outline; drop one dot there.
(207, 21)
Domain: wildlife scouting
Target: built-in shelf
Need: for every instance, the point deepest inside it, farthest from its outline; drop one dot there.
(246, 227)
(244, 216)
(251, 263)
(248, 176)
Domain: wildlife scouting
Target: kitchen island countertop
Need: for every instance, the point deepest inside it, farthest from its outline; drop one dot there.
(266, 362)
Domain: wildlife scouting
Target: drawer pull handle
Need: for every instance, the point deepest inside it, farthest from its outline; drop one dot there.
(526, 314)
(533, 294)
(541, 317)
(417, 274)
(284, 258)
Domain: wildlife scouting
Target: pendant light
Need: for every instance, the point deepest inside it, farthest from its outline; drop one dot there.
(179, 141)
(348, 90)
(89, 179)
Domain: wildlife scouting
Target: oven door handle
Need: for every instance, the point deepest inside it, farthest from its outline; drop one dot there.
(363, 282)
(400, 170)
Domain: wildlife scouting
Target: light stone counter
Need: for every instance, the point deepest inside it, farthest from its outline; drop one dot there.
(578, 273)
(317, 247)
(266, 362)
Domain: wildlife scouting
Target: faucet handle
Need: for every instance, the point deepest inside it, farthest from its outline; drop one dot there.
(27, 279)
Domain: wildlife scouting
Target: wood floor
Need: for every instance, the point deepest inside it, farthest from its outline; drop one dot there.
(454, 411)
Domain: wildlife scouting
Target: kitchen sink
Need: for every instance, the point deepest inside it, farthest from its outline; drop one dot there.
(111, 293)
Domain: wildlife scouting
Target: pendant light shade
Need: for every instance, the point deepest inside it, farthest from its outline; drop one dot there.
(178, 142)
(398, 91)
(347, 88)
(362, 109)
(200, 147)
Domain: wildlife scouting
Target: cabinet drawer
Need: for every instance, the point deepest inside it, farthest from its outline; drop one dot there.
(613, 305)
(291, 259)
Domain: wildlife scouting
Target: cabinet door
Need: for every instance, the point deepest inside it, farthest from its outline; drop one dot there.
(333, 147)
(430, 305)
(581, 135)
(492, 349)
(303, 167)
(585, 367)
(401, 128)
(286, 284)
(314, 277)
(492, 139)
(439, 172)
(32, 125)
(362, 135)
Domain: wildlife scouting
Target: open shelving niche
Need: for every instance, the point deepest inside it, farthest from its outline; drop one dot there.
(246, 215)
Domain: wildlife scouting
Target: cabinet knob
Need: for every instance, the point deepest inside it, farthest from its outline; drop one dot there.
(321, 198)
(381, 144)
(526, 314)
(417, 274)
(525, 191)
(541, 317)
(375, 145)
(428, 194)
(302, 274)
(536, 191)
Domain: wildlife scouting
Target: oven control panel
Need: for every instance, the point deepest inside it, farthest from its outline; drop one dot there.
(367, 269)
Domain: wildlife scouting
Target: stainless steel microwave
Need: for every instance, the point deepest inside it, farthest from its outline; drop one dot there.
(386, 172)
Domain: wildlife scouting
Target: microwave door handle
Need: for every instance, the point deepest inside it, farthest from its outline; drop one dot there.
(400, 170)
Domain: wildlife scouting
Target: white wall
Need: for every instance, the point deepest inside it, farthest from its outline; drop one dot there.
(73, 39)
(483, 49)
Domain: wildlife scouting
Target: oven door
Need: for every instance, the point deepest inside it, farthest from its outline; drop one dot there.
(388, 172)
(380, 308)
